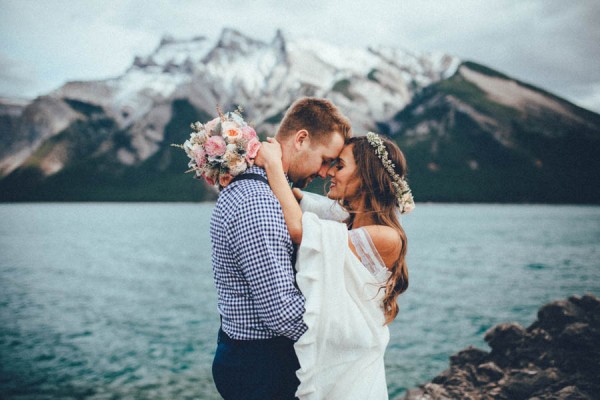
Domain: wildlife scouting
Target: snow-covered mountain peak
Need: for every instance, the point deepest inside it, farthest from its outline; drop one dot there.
(279, 41)
(173, 52)
(340, 58)
(370, 83)
(235, 41)
(128, 121)
(264, 76)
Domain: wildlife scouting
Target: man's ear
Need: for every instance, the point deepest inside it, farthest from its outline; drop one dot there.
(301, 138)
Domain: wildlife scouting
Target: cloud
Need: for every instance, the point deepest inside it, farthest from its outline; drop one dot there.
(548, 43)
(18, 79)
(80, 43)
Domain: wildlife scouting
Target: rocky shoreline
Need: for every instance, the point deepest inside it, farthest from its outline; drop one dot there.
(557, 357)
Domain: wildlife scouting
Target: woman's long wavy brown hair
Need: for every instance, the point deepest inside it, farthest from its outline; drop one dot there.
(380, 200)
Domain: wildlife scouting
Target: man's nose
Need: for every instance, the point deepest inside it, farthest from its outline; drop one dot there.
(323, 171)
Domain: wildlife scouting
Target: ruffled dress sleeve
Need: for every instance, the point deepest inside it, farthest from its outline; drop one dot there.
(341, 353)
(323, 207)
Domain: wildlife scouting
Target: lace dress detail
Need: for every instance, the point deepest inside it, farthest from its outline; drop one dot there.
(368, 254)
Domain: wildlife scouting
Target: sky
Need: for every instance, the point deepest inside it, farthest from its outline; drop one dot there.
(552, 44)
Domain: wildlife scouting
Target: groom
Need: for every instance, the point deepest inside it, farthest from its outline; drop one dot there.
(261, 308)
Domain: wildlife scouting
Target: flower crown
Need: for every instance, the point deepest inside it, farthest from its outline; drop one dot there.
(404, 196)
(221, 149)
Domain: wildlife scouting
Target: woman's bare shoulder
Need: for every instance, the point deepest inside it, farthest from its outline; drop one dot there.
(387, 241)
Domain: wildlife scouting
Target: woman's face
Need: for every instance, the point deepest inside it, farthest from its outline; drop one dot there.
(344, 183)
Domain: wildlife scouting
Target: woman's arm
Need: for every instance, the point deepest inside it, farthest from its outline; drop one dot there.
(269, 157)
(324, 207)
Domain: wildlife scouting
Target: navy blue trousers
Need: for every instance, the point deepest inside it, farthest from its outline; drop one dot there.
(255, 369)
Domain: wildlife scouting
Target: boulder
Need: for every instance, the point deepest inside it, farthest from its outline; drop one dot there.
(556, 357)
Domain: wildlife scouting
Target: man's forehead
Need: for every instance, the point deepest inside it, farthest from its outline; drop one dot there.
(334, 146)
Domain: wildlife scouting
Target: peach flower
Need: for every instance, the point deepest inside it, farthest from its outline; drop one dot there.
(237, 166)
(225, 179)
(231, 131)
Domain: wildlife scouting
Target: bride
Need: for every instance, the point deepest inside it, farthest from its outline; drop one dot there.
(350, 265)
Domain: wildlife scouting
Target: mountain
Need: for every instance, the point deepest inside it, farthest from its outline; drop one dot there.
(464, 127)
(483, 136)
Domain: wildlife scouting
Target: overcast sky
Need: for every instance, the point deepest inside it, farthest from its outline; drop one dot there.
(553, 44)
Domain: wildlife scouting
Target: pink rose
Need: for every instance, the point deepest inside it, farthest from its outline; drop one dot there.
(199, 155)
(252, 149)
(210, 125)
(248, 133)
(215, 146)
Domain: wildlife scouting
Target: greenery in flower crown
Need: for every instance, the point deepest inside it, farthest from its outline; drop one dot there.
(404, 196)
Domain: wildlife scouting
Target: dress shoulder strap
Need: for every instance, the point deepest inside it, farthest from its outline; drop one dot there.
(368, 254)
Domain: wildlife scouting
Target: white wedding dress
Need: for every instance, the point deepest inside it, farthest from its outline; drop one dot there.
(341, 354)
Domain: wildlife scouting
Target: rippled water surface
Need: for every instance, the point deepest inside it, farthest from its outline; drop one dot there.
(103, 301)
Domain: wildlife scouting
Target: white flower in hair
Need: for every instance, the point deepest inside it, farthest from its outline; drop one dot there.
(404, 196)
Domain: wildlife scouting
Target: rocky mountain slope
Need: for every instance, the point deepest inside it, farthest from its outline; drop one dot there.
(461, 125)
(483, 136)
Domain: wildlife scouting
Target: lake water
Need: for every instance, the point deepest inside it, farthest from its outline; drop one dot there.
(116, 301)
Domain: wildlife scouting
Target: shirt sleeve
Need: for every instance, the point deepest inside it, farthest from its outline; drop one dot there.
(262, 247)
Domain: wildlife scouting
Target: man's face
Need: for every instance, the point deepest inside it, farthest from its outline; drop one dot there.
(313, 159)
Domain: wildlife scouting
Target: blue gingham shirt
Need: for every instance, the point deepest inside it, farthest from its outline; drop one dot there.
(252, 264)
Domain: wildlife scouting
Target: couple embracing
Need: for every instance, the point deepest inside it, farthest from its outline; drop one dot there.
(308, 284)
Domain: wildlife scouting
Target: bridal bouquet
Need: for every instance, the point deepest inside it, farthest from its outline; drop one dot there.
(221, 149)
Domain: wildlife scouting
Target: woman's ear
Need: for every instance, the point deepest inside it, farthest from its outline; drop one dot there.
(301, 138)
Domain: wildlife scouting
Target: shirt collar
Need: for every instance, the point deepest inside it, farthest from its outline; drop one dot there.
(256, 170)
(261, 171)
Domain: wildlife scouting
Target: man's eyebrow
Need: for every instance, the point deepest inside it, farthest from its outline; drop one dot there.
(329, 161)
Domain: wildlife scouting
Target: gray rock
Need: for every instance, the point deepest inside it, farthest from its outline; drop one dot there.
(470, 355)
(524, 383)
(505, 335)
(489, 372)
(554, 317)
(588, 302)
(557, 357)
(571, 393)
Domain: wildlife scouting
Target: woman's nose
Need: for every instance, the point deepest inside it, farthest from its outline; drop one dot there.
(331, 171)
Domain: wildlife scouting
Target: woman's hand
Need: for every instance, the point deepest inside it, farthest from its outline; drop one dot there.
(298, 194)
(269, 154)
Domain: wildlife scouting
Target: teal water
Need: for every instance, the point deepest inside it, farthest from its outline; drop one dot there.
(103, 301)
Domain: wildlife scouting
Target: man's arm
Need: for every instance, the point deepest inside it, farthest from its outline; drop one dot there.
(262, 246)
